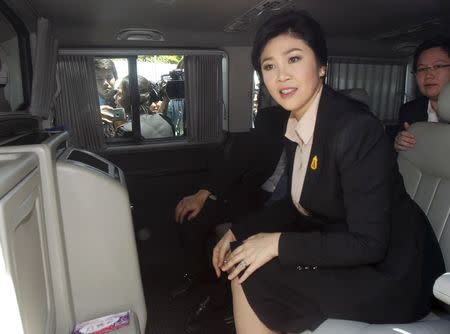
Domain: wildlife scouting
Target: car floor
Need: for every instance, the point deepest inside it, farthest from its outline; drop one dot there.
(161, 257)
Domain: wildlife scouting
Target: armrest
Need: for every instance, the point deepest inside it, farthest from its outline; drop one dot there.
(441, 288)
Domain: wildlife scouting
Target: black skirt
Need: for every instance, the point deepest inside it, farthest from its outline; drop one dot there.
(399, 289)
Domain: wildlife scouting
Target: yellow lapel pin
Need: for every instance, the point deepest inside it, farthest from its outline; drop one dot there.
(314, 162)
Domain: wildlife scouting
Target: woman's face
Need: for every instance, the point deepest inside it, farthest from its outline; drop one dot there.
(430, 81)
(291, 73)
(120, 96)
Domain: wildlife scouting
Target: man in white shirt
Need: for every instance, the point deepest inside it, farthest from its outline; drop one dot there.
(431, 67)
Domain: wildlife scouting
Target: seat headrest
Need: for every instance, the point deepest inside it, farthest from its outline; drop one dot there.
(358, 94)
(444, 103)
(430, 153)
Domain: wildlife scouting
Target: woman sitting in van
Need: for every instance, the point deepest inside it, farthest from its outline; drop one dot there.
(153, 125)
(347, 242)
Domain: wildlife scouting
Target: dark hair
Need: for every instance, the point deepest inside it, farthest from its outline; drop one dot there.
(144, 87)
(105, 64)
(437, 42)
(298, 23)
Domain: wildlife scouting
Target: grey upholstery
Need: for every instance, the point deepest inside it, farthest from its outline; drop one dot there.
(441, 288)
(49, 279)
(444, 104)
(62, 295)
(27, 304)
(100, 244)
(426, 173)
(335, 326)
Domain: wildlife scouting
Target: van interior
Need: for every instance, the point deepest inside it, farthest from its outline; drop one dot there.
(88, 189)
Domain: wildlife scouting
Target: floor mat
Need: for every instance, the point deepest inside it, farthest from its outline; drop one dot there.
(161, 258)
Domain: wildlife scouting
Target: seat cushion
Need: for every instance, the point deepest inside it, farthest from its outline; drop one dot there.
(426, 174)
(336, 326)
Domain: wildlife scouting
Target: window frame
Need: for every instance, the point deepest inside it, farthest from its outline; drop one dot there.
(136, 140)
(23, 44)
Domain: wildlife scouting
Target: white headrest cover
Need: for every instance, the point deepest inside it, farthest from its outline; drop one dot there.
(444, 103)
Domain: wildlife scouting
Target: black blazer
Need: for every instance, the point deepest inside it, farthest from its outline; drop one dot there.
(411, 112)
(414, 111)
(361, 216)
(349, 190)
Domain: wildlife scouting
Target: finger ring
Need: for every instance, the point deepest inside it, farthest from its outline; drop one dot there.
(242, 265)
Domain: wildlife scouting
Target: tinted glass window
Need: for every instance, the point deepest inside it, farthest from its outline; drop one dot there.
(11, 92)
(159, 91)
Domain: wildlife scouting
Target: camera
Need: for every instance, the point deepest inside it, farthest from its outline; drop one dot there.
(174, 87)
(114, 114)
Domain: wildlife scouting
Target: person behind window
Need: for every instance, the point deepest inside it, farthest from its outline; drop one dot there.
(431, 66)
(172, 104)
(347, 242)
(155, 97)
(106, 77)
(153, 125)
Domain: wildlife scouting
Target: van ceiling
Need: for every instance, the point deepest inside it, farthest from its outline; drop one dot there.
(353, 27)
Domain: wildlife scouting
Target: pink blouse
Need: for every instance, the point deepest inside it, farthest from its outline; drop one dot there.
(301, 132)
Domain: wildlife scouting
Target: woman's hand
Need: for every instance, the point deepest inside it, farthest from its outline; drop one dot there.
(220, 250)
(252, 254)
(191, 205)
(404, 140)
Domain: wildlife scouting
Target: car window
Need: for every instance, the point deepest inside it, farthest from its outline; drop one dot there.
(14, 90)
(143, 96)
(160, 86)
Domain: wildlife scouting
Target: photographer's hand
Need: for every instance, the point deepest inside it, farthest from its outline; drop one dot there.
(106, 112)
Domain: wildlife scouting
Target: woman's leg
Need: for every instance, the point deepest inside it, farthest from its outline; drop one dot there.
(245, 319)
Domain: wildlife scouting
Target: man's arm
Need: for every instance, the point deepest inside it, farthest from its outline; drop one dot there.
(190, 206)
(404, 140)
